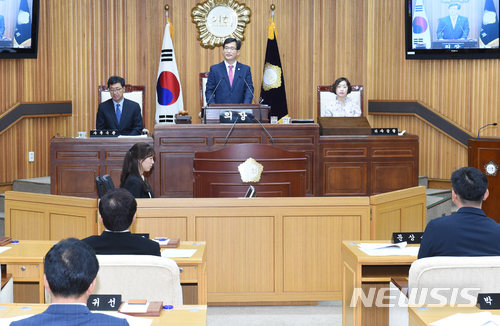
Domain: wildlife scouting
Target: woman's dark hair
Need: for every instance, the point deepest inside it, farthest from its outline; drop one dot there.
(338, 81)
(135, 155)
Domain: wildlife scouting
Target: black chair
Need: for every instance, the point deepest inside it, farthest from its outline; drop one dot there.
(108, 182)
(100, 186)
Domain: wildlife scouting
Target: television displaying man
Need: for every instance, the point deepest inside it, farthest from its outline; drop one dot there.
(118, 113)
(468, 232)
(70, 275)
(454, 26)
(117, 210)
(229, 82)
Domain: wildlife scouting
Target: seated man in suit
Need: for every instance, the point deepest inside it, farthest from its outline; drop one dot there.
(118, 113)
(454, 26)
(117, 212)
(468, 232)
(229, 82)
(70, 274)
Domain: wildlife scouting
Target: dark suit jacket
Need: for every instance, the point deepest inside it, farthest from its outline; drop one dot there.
(446, 31)
(70, 315)
(125, 243)
(239, 93)
(468, 232)
(130, 121)
(136, 187)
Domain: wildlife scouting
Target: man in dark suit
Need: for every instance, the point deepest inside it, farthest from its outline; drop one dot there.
(468, 232)
(454, 26)
(230, 80)
(70, 274)
(117, 212)
(118, 113)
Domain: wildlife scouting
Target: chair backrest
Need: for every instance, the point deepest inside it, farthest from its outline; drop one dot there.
(134, 93)
(139, 277)
(100, 186)
(449, 273)
(108, 182)
(326, 95)
(203, 87)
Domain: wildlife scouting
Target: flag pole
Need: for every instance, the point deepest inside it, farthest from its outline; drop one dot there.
(167, 8)
(272, 10)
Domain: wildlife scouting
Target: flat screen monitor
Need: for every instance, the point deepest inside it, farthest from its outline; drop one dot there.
(449, 29)
(19, 28)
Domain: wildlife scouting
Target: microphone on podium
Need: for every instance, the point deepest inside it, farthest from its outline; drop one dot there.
(260, 109)
(489, 124)
(213, 93)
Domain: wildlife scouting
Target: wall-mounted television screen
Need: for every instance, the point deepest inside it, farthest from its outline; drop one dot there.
(19, 28)
(451, 29)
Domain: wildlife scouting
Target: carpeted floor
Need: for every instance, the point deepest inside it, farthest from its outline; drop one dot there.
(325, 313)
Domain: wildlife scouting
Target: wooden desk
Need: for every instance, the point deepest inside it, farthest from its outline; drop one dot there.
(424, 317)
(362, 271)
(179, 316)
(25, 262)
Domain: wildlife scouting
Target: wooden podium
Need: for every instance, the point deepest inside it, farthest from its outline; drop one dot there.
(216, 174)
(481, 154)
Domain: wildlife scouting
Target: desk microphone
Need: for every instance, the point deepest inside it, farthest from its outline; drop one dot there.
(213, 93)
(260, 110)
(231, 130)
(466, 36)
(442, 29)
(489, 124)
(272, 139)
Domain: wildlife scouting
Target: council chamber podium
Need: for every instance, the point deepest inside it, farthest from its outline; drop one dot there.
(274, 172)
(484, 155)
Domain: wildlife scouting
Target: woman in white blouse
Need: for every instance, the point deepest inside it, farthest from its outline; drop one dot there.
(342, 106)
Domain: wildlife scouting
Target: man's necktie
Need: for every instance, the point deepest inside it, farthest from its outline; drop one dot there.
(231, 76)
(118, 113)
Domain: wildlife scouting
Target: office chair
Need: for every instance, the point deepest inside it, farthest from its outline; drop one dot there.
(100, 186)
(108, 182)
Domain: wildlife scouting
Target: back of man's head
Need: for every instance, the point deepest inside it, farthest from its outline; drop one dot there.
(70, 268)
(470, 185)
(117, 209)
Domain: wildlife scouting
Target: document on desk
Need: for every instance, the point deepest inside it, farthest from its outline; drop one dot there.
(388, 249)
(2, 249)
(178, 253)
(484, 318)
(7, 321)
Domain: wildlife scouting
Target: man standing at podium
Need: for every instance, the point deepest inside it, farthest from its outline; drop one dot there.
(454, 26)
(118, 113)
(468, 232)
(229, 82)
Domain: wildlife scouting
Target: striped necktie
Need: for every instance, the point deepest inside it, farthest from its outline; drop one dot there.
(118, 113)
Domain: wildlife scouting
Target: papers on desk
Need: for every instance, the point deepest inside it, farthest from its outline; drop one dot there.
(178, 253)
(388, 249)
(484, 318)
(7, 321)
(133, 136)
(2, 249)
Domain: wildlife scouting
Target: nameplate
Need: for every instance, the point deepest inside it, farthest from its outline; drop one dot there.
(240, 116)
(385, 131)
(409, 237)
(104, 302)
(104, 133)
(488, 300)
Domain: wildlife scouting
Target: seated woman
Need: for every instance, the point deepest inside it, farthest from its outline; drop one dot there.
(343, 106)
(139, 159)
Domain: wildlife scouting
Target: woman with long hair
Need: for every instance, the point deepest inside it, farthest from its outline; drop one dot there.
(139, 159)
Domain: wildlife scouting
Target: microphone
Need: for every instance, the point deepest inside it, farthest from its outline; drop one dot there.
(272, 139)
(213, 93)
(231, 130)
(439, 32)
(489, 124)
(260, 110)
(464, 33)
